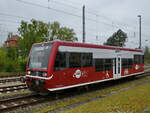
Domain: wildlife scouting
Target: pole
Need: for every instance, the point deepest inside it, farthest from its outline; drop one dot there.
(139, 31)
(97, 29)
(83, 24)
(48, 4)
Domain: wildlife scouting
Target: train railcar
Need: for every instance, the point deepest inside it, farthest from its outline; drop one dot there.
(59, 65)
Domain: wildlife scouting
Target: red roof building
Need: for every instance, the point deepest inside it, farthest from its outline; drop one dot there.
(13, 41)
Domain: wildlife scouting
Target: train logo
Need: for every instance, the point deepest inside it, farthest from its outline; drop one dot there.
(77, 74)
(137, 67)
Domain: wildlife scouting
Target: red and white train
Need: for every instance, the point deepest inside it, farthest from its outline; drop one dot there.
(59, 65)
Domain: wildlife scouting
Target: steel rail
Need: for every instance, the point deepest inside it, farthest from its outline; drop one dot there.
(12, 88)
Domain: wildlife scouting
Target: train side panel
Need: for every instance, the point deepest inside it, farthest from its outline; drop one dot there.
(77, 76)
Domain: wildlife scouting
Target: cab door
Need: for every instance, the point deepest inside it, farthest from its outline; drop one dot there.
(117, 67)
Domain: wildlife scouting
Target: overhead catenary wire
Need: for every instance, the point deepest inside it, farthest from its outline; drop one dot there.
(114, 25)
(90, 12)
(16, 23)
(78, 15)
(10, 15)
(11, 21)
(93, 20)
(61, 11)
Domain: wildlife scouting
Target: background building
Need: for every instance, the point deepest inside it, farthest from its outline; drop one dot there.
(13, 41)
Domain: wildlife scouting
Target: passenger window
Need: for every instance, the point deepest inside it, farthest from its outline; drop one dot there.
(86, 59)
(99, 65)
(127, 63)
(108, 64)
(130, 63)
(74, 60)
(142, 59)
(103, 64)
(138, 59)
(60, 61)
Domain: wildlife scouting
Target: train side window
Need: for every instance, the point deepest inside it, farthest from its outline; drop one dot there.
(127, 63)
(130, 63)
(138, 59)
(99, 65)
(60, 61)
(74, 60)
(108, 64)
(124, 63)
(142, 59)
(86, 59)
(103, 64)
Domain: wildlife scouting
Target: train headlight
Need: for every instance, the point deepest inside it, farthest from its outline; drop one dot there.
(29, 72)
(44, 74)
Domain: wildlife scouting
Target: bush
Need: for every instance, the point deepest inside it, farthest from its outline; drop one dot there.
(8, 63)
(12, 66)
(16, 66)
(3, 59)
(22, 64)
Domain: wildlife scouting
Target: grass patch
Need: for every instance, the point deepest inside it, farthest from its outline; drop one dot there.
(135, 100)
(83, 97)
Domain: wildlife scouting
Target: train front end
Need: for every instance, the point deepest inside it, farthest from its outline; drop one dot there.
(37, 68)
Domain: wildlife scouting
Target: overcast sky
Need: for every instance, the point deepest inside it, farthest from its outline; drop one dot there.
(103, 17)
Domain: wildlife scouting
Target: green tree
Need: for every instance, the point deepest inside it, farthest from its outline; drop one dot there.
(66, 34)
(38, 31)
(3, 59)
(12, 53)
(61, 33)
(117, 39)
(9, 60)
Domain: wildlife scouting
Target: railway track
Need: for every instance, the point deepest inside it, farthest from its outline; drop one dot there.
(12, 88)
(20, 101)
(10, 79)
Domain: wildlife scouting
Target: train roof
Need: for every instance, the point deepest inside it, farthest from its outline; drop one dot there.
(88, 45)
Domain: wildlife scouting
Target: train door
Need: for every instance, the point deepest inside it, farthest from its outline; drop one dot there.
(117, 67)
